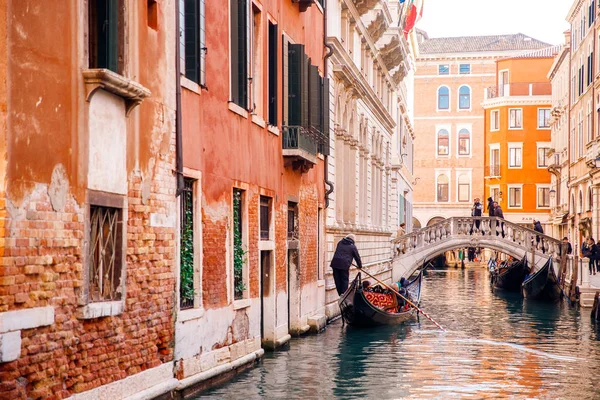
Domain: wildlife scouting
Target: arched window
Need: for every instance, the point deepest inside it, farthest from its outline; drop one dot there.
(580, 209)
(442, 188)
(464, 142)
(464, 98)
(416, 223)
(435, 220)
(443, 98)
(590, 202)
(572, 205)
(443, 139)
(464, 187)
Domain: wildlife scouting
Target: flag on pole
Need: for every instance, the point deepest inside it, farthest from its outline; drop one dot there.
(414, 14)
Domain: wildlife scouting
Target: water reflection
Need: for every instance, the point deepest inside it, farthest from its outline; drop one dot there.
(497, 346)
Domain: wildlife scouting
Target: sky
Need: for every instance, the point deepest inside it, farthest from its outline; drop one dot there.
(541, 19)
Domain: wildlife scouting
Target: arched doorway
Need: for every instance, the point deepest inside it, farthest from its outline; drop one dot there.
(416, 223)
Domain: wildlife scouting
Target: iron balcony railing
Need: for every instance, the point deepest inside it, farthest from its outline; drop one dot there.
(304, 138)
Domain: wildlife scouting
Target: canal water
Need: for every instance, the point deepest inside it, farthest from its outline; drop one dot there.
(496, 346)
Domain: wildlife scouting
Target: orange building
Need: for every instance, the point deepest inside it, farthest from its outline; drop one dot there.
(518, 136)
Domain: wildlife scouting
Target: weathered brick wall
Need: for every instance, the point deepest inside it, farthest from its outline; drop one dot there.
(215, 226)
(308, 214)
(253, 256)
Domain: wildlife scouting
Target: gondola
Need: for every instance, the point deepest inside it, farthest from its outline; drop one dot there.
(543, 284)
(357, 311)
(511, 278)
(596, 308)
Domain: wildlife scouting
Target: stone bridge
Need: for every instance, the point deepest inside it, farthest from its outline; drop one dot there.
(412, 250)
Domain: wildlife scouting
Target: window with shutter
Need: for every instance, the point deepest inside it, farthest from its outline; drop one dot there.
(239, 52)
(192, 40)
(296, 85)
(106, 34)
(272, 74)
(325, 147)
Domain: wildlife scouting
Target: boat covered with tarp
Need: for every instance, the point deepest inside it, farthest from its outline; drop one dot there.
(543, 284)
(510, 277)
(366, 307)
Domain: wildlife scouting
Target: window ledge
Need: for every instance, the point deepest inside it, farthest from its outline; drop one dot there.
(131, 91)
(258, 121)
(189, 84)
(190, 314)
(237, 109)
(99, 310)
(273, 129)
(242, 303)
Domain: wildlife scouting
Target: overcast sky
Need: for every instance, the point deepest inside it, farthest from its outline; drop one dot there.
(541, 19)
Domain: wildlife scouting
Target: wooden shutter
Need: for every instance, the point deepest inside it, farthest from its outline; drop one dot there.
(272, 74)
(304, 77)
(326, 115)
(239, 52)
(295, 61)
(314, 102)
(202, 38)
(192, 42)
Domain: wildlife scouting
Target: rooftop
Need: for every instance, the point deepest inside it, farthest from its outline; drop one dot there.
(547, 52)
(473, 44)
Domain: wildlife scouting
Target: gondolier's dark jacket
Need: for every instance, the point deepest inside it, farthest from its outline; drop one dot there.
(345, 252)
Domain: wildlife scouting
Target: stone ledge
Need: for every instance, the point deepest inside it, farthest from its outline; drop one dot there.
(27, 318)
(10, 346)
(132, 92)
(317, 323)
(99, 310)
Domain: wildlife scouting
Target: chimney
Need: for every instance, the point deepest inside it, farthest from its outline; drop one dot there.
(567, 34)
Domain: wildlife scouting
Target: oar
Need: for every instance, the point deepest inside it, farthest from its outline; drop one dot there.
(407, 300)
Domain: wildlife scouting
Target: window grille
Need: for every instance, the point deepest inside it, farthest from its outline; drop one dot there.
(105, 254)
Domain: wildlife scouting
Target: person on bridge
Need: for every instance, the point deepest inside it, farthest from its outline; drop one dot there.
(490, 207)
(476, 211)
(345, 253)
(498, 214)
(537, 226)
(588, 251)
(565, 244)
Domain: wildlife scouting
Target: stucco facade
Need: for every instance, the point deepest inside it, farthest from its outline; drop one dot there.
(452, 74)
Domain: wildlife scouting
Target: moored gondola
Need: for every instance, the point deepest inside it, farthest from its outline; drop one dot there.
(596, 307)
(358, 311)
(543, 284)
(511, 278)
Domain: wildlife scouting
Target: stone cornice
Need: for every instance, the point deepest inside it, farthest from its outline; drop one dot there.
(345, 70)
(574, 10)
(131, 91)
(512, 101)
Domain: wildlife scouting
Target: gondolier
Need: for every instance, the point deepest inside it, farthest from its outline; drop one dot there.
(345, 252)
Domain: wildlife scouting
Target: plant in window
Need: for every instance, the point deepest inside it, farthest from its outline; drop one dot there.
(239, 255)
(186, 286)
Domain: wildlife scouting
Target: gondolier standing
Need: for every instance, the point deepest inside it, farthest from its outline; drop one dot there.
(345, 252)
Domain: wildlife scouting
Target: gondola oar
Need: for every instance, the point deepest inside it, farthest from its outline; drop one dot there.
(407, 300)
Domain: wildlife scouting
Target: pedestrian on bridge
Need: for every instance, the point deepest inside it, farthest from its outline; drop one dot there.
(537, 226)
(499, 215)
(490, 207)
(587, 250)
(476, 211)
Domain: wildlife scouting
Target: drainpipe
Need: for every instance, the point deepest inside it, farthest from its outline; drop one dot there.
(328, 183)
(178, 139)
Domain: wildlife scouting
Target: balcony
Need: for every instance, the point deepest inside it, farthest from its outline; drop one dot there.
(492, 171)
(300, 146)
(304, 4)
(519, 89)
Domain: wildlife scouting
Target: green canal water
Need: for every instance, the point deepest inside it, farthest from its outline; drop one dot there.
(496, 346)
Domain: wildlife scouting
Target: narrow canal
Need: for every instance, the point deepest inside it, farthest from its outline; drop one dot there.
(496, 346)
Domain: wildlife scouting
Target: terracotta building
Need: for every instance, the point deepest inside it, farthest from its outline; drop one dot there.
(370, 164)
(518, 136)
(254, 124)
(87, 200)
(452, 74)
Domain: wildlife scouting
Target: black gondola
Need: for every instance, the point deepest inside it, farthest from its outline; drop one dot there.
(543, 284)
(357, 311)
(596, 307)
(511, 278)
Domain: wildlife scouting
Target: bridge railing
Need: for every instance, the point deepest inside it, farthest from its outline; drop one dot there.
(478, 227)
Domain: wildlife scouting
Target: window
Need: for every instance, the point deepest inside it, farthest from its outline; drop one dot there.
(256, 79)
(514, 197)
(239, 26)
(192, 40)
(543, 160)
(515, 118)
(543, 118)
(186, 248)
(543, 197)
(443, 142)
(106, 32)
(590, 204)
(590, 122)
(273, 73)
(494, 162)
(265, 218)
(464, 98)
(292, 222)
(464, 188)
(443, 98)
(444, 69)
(239, 254)
(495, 120)
(580, 135)
(464, 142)
(105, 253)
(495, 193)
(442, 188)
(515, 157)
(464, 69)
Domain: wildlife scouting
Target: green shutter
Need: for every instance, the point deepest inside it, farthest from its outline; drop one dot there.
(326, 115)
(239, 52)
(272, 74)
(304, 77)
(315, 88)
(296, 60)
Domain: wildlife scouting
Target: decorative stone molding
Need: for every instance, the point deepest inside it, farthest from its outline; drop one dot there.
(132, 92)
(377, 27)
(363, 6)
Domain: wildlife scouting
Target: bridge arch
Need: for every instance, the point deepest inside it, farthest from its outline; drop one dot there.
(410, 251)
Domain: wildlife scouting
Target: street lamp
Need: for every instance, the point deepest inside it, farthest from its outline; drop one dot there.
(552, 192)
